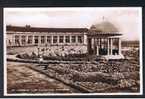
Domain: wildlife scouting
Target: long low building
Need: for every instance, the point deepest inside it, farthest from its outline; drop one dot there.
(130, 44)
(101, 39)
(24, 36)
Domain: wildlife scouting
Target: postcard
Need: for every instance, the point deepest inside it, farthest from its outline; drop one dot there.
(73, 51)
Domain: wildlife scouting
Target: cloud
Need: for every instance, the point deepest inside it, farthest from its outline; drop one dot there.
(127, 19)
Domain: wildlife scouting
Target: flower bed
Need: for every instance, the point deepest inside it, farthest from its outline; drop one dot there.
(99, 77)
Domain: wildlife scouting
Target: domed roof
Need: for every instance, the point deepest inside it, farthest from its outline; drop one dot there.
(104, 27)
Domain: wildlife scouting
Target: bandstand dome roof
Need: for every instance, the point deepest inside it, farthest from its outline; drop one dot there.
(104, 27)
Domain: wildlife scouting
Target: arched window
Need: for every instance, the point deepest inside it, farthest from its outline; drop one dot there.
(67, 39)
(55, 39)
(17, 39)
(30, 39)
(42, 39)
(73, 39)
(80, 39)
(36, 39)
(49, 38)
(61, 38)
(23, 40)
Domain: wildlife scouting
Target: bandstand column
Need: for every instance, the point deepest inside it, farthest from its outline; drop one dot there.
(108, 47)
(100, 43)
(97, 47)
(111, 46)
(119, 42)
(94, 45)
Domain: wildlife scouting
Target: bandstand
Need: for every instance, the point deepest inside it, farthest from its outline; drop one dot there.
(104, 40)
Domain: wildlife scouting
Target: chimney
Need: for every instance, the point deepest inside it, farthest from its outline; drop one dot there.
(27, 26)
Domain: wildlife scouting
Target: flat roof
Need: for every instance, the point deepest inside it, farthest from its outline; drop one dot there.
(39, 29)
(65, 30)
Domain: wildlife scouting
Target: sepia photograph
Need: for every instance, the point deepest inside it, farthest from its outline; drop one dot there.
(73, 51)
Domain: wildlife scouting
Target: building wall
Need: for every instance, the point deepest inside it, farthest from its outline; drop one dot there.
(44, 46)
(9, 40)
(12, 38)
(130, 44)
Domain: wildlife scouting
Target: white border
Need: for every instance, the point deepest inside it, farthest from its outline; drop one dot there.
(85, 94)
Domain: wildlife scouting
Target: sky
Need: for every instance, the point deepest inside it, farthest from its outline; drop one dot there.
(128, 20)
